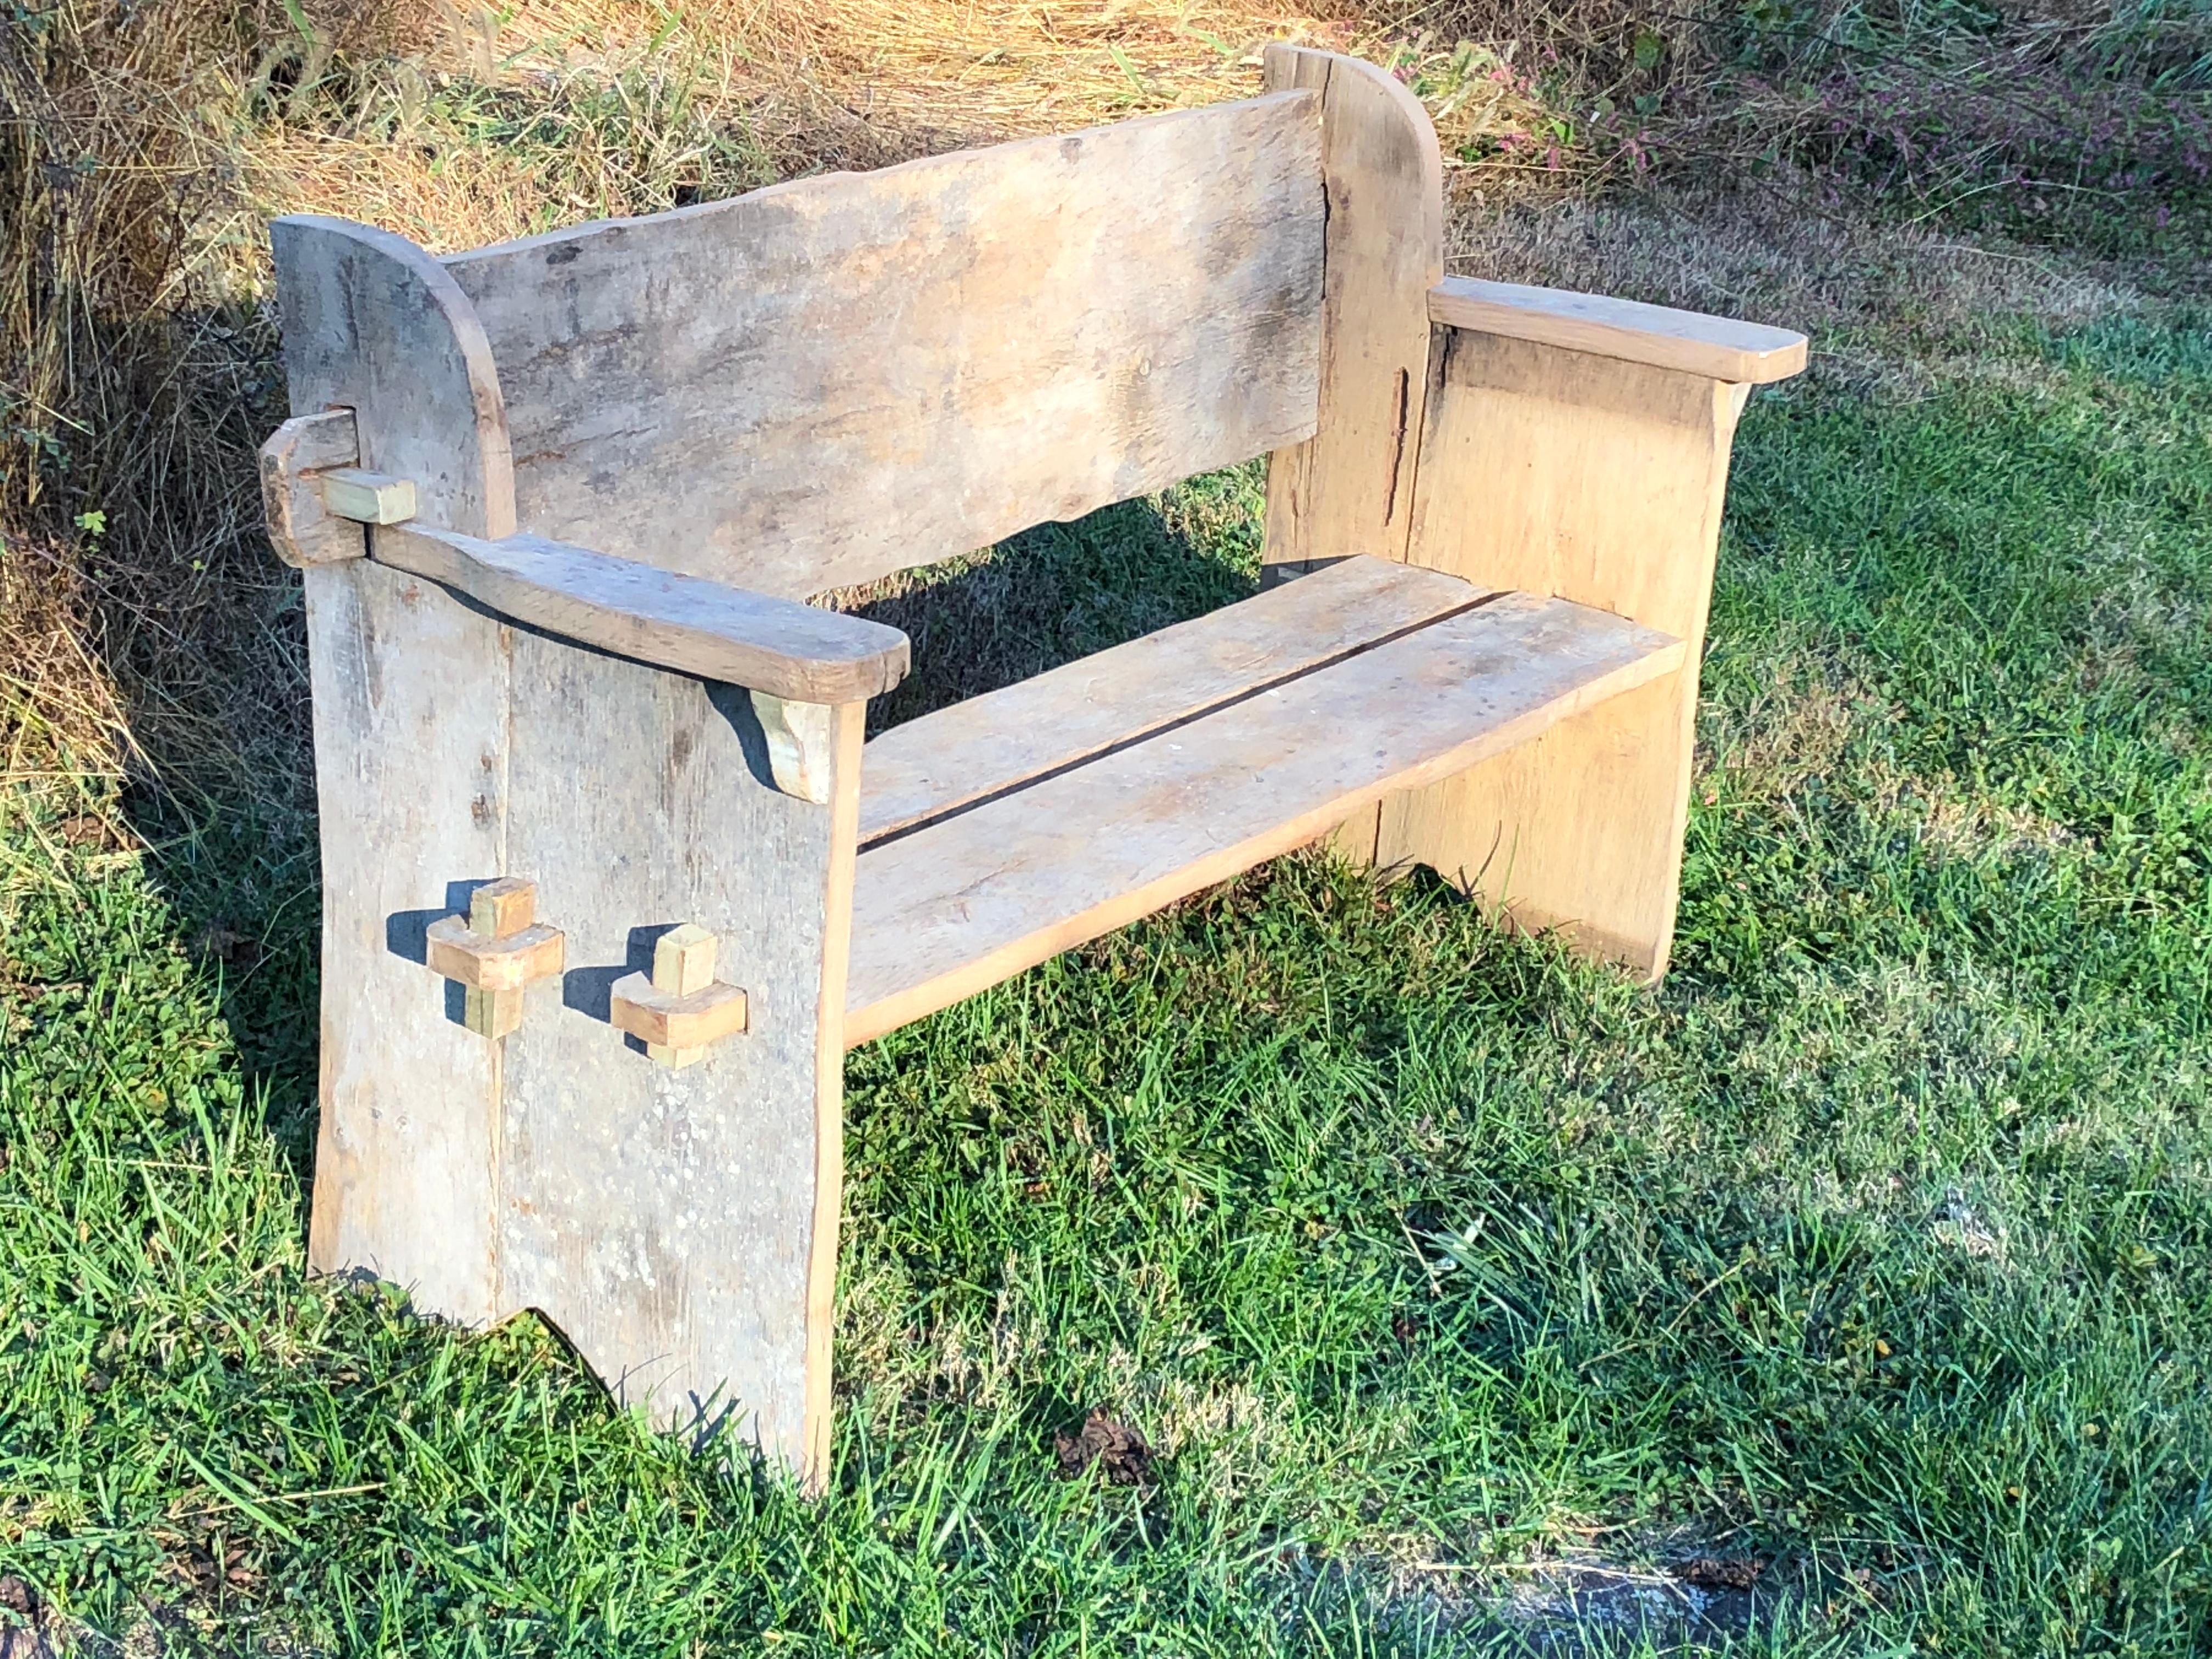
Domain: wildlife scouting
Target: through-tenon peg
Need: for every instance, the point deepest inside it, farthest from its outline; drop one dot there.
(683, 1007)
(500, 948)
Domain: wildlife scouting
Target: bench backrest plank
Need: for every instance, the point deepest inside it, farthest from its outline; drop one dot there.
(825, 381)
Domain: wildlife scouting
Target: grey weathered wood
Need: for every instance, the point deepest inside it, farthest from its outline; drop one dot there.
(1720, 348)
(838, 378)
(969, 899)
(822, 382)
(683, 622)
(374, 324)
(1349, 489)
(993, 742)
(411, 766)
(665, 1219)
(301, 528)
(671, 1223)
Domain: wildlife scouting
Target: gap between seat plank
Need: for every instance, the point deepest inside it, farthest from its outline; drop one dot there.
(976, 748)
(976, 897)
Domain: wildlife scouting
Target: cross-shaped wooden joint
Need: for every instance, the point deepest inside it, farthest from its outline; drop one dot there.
(683, 1008)
(500, 948)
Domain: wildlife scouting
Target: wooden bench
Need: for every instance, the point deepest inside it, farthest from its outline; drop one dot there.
(610, 880)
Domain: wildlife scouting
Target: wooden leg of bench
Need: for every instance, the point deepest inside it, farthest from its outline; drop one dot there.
(678, 1223)
(410, 736)
(1559, 473)
(409, 761)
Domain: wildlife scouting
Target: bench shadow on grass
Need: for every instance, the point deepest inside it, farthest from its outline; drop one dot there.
(1060, 592)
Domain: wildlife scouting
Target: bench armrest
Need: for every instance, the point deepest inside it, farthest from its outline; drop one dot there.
(1742, 353)
(687, 623)
(317, 503)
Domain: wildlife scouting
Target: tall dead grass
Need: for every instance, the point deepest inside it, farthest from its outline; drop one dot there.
(127, 382)
(143, 145)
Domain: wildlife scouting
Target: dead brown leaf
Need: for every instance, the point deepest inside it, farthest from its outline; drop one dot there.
(1121, 1450)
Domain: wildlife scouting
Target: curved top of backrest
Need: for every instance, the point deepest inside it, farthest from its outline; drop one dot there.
(828, 380)
(374, 324)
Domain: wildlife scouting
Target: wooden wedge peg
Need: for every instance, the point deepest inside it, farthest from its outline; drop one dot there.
(683, 1008)
(498, 951)
(367, 497)
(799, 745)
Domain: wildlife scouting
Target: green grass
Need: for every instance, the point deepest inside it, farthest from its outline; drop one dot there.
(1878, 1242)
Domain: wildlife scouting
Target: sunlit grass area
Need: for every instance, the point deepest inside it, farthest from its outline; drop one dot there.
(1467, 1298)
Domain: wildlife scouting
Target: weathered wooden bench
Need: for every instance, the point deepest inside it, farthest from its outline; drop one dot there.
(611, 882)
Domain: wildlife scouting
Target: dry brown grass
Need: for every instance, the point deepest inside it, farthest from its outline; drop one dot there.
(143, 147)
(63, 734)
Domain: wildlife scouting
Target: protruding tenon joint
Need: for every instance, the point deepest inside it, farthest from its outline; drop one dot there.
(683, 1008)
(499, 949)
(316, 499)
(293, 461)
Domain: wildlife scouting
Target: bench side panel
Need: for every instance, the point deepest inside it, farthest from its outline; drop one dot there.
(1554, 471)
(679, 1226)
(411, 763)
(821, 383)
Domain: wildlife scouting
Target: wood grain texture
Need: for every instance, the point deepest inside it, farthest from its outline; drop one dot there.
(374, 324)
(1599, 480)
(993, 742)
(675, 1027)
(967, 899)
(503, 907)
(847, 728)
(486, 961)
(683, 622)
(800, 745)
(664, 1218)
(1347, 489)
(497, 910)
(367, 497)
(828, 380)
(1719, 348)
(300, 528)
(410, 761)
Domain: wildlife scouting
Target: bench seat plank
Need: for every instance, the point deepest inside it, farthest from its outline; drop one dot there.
(972, 898)
(993, 742)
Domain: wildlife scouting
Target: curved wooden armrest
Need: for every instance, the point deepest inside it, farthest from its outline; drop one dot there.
(789, 650)
(1742, 353)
